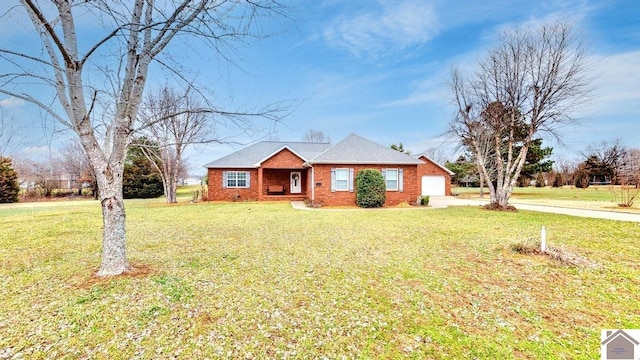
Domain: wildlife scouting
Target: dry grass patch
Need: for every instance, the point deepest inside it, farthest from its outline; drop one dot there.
(530, 247)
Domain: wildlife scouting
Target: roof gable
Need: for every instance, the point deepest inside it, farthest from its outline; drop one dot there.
(358, 150)
(424, 156)
(285, 147)
(253, 155)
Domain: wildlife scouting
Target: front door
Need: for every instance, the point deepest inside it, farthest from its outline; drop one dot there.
(295, 179)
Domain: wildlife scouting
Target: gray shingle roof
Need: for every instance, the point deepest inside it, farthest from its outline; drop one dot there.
(253, 155)
(352, 150)
(358, 150)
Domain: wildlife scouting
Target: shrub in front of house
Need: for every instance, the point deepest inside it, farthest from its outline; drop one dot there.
(424, 200)
(370, 189)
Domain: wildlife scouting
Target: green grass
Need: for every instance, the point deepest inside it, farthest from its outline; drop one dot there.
(262, 280)
(592, 193)
(593, 197)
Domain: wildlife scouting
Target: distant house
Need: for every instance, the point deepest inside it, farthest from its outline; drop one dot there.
(321, 172)
(191, 181)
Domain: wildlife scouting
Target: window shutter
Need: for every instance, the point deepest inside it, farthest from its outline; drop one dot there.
(384, 177)
(401, 180)
(248, 179)
(224, 179)
(351, 179)
(333, 180)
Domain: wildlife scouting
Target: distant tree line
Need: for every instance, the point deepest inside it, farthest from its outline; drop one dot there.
(607, 162)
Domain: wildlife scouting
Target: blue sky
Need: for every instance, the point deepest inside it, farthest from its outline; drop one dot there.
(380, 69)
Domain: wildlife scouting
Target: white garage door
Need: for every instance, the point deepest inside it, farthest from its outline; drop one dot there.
(432, 185)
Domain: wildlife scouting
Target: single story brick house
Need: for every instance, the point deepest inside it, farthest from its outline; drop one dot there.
(321, 172)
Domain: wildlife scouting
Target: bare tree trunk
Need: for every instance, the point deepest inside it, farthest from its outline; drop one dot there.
(170, 188)
(109, 176)
(172, 179)
(502, 196)
(114, 260)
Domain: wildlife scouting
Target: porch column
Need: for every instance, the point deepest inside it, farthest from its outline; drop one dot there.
(313, 185)
(260, 184)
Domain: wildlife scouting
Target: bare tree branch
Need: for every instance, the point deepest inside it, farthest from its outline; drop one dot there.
(104, 115)
(529, 84)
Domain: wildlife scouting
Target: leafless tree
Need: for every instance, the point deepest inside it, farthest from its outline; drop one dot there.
(315, 136)
(74, 160)
(9, 134)
(437, 154)
(566, 169)
(629, 170)
(529, 84)
(99, 85)
(606, 158)
(172, 122)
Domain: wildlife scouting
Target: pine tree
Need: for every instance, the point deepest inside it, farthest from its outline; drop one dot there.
(9, 187)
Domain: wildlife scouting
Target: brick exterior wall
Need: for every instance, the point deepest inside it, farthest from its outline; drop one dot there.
(429, 168)
(218, 193)
(323, 194)
(276, 171)
(285, 159)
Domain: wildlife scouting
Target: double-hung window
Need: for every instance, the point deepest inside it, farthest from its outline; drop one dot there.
(393, 179)
(236, 179)
(341, 179)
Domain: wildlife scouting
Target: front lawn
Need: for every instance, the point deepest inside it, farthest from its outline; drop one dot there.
(602, 197)
(262, 280)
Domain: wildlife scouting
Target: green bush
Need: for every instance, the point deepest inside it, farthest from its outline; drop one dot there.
(424, 200)
(370, 189)
(9, 186)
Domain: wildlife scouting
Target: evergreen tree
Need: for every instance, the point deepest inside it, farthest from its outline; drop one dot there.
(462, 169)
(9, 187)
(535, 162)
(140, 179)
(399, 147)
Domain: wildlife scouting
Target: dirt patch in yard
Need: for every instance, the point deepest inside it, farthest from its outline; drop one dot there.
(137, 271)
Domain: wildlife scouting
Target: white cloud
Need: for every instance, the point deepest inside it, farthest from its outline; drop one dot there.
(393, 26)
(616, 88)
(41, 152)
(11, 102)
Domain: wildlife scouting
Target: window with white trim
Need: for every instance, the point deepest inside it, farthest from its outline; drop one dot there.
(342, 180)
(391, 179)
(236, 179)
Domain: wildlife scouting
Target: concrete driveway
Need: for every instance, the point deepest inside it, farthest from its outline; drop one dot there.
(445, 201)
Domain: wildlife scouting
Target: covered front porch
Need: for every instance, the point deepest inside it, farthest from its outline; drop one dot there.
(276, 184)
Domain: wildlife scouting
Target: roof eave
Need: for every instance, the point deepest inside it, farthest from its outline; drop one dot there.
(230, 167)
(340, 162)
